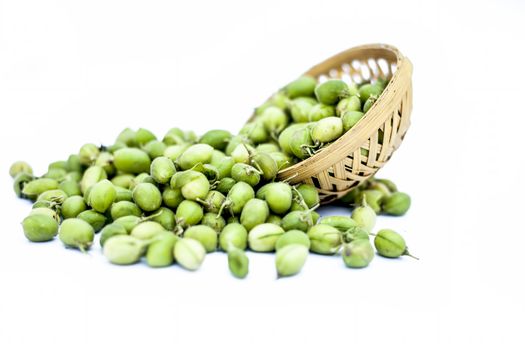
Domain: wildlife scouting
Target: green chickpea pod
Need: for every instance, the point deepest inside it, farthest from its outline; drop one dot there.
(76, 233)
(391, 244)
(238, 263)
(396, 204)
(19, 168)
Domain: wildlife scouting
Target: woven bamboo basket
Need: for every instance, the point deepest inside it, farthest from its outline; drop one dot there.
(341, 166)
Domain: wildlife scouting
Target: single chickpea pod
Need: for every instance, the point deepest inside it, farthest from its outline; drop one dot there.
(40, 228)
(162, 169)
(70, 187)
(327, 130)
(309, 194)
(34, 188)
(213, 201)
(390, 184)
(237, 197)
(255, 132)
(95, 219)
(56, 196)
(19, 182)
(369, 102)
(128, 222)
(350, 118)
(160, 251)
(241, 153)
(236, 141)
(246, 173)
(205, 235)
(274, 219)
(92, 176)
(73, 206)
(331, 91)
(278, 99)
(123, 194)
(123, 249)
(165, 217)
(188, 213)
(274, 120)
(193, 185)
(238, 263)
(218, 139)
(102, 196)
(278, 195)
(342, 223)
(189, 253)
(324, 239)
(46, 211)
(300, 109)
(292, 237)
(263, 237)
(285, 137)
(391, 244)
(143, 136)
(173, 152)
(20, 167)
(76, 233)
(320, 111)
(113, 229)
(123, 180)
(215, 222)
(147, 196)
(290, 259)
(198, 153)
(373, 198)
(131, 160)
(225, 185)
(124, 208)
(155, 148)
(105, 161)
(303, 86)
(352, 103)
(367, 90)
(267, 148)
(233, 235)
(88, 154)
(266, 165)
(396, 204)
(358, 253)
(255, 212)
(301, 143)
(297, 220)
(365, 216)
(147, 230)
(354, 233)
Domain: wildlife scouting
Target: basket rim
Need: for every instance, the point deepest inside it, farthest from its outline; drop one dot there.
(357, 135)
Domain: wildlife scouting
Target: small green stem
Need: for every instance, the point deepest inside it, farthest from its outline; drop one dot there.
(203, 202)
(407, 253)
(149, 217)
(226, 204)
(300, 198)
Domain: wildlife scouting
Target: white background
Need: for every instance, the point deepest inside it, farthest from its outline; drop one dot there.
(73, 72)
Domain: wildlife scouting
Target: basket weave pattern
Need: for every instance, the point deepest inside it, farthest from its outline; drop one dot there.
(341, 166)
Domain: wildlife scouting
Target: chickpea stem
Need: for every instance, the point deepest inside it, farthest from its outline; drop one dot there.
(407, 253)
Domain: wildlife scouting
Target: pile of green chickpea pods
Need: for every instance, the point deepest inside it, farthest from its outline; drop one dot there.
(175, 199)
